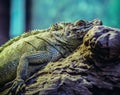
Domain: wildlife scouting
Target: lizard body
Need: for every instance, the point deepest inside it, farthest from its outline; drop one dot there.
(40, 46)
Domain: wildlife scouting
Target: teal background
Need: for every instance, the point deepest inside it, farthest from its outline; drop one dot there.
(47, 12)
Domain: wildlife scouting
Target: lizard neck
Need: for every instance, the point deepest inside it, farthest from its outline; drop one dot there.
(66, 45)
(52, 44)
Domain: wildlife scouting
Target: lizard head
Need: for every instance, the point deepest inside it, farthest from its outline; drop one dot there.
(72, 33)
(80, 28)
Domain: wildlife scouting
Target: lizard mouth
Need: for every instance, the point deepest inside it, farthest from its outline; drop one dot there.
(81, 28)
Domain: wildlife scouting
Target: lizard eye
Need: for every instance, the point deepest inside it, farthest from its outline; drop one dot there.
(80, 23)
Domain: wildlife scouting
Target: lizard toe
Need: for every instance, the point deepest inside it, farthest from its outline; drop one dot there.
(17, 87)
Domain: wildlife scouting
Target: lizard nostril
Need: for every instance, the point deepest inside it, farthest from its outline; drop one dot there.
(78, 32)
(68, 33)
(97, 22)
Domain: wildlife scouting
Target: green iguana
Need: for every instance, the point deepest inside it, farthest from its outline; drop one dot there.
(38, 47)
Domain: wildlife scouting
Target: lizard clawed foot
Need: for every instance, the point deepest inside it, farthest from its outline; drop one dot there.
(17, 86)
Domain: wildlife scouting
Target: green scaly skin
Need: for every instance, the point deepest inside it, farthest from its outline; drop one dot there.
(38, 47)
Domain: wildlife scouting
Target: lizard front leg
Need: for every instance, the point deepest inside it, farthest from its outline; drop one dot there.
(34, 57)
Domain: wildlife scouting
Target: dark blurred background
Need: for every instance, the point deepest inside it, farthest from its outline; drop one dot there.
(17, 16)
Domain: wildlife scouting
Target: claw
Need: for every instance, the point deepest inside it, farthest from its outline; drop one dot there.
(17, 87)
